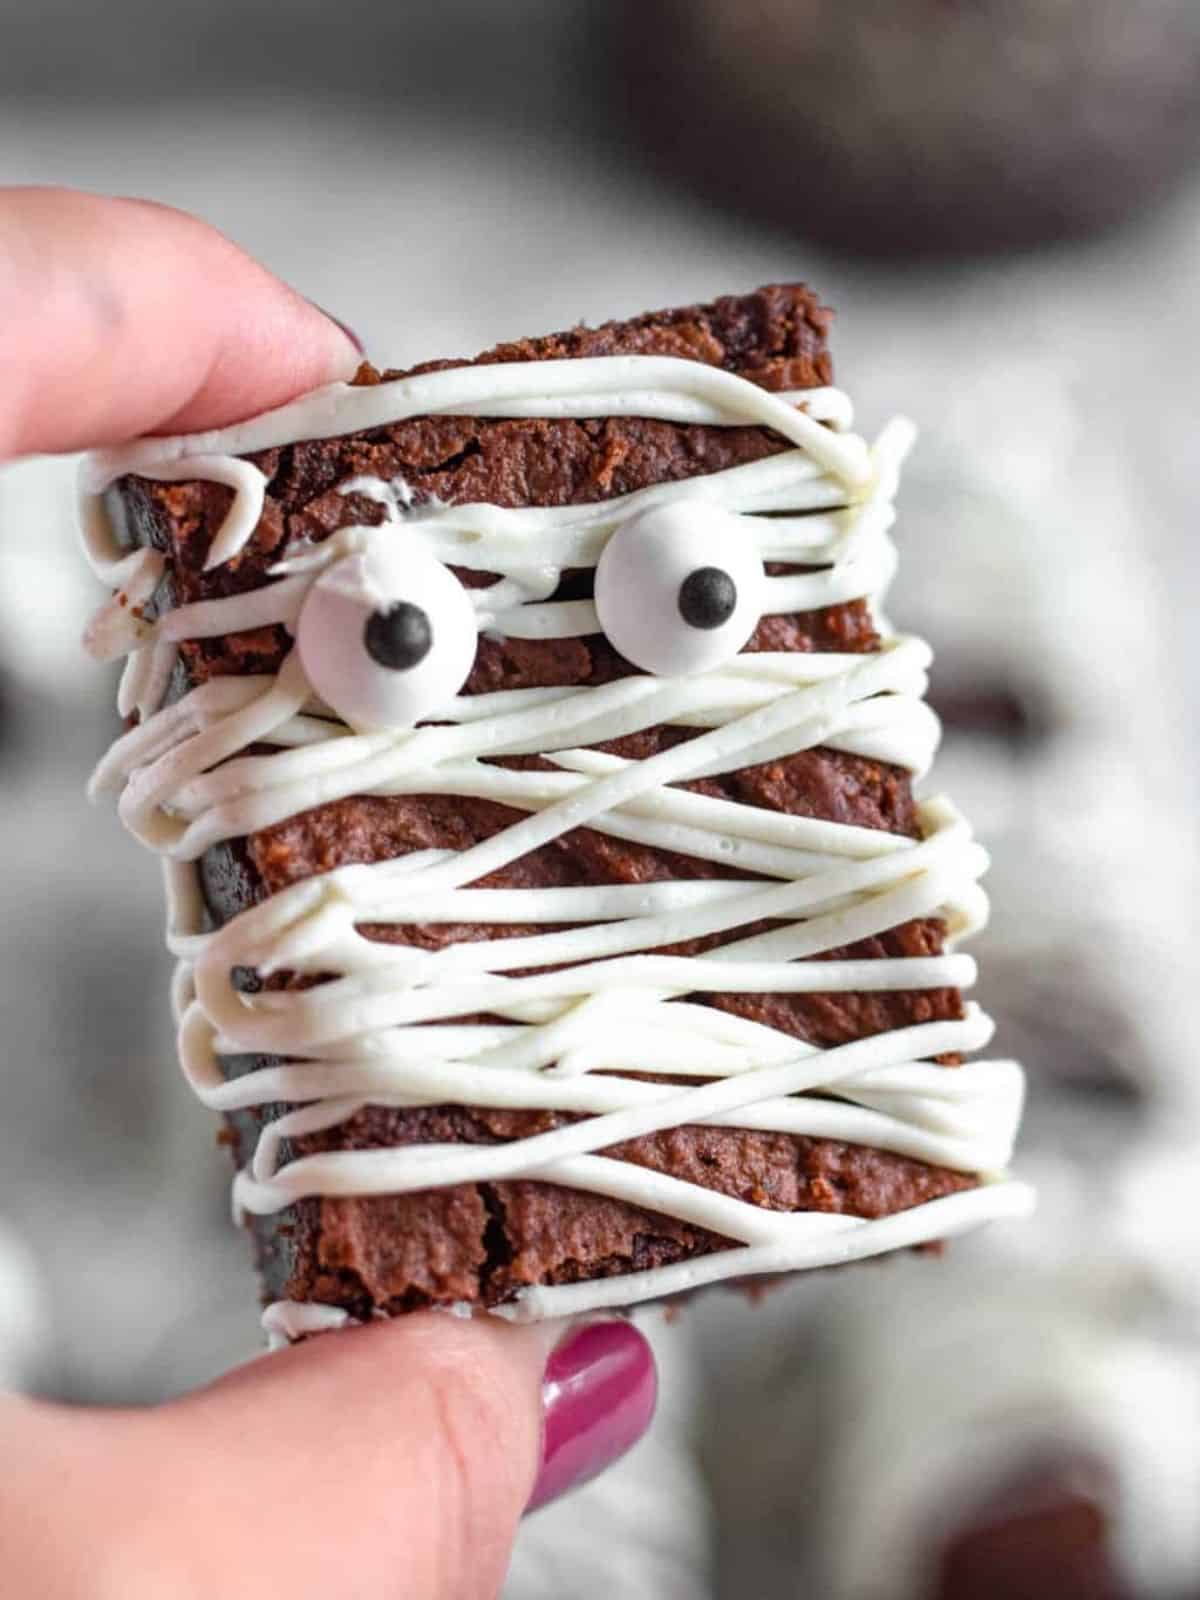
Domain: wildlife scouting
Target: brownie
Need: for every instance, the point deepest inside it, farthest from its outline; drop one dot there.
(1056, 1550)
(1043, 1531)
(481, 1243)
(926, 128)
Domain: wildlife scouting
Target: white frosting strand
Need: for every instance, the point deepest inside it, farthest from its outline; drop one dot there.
(285, 1321)
(594, 1002)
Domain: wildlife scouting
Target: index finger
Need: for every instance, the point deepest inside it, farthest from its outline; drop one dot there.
(124, 317)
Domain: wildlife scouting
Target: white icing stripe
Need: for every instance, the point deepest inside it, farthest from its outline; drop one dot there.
(580, 1006)
(118, 627)
(259, 791)
(287, 1320)
(821, 1241)
(267, 1187)
(672, 389)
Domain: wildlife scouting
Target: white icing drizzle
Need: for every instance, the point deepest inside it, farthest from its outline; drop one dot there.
(285, 1321)
(386, 1030)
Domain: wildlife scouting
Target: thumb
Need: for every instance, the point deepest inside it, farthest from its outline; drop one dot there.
(390, 1460)
(123, 317)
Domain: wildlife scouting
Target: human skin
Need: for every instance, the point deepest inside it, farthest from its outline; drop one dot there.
(390, 1460)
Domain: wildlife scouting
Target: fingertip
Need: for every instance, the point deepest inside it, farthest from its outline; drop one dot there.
(125, 316)
(276, 344)
(409, 1445)
(399, 1452)
(343, 327)
(599, 1393)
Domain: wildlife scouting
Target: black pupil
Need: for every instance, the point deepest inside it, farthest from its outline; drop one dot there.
(707, 598)
(399, 637)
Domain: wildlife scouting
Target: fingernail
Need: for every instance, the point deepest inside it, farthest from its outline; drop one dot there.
(345, 327)
(598, 1396)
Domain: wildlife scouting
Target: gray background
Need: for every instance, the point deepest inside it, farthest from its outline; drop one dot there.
(445, 177)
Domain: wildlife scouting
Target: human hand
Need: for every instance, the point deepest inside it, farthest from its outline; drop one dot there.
(394, 1459)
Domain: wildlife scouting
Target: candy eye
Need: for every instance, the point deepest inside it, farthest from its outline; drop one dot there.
(387, 636)
(678, 589)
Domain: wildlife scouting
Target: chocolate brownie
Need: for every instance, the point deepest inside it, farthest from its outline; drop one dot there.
(1041, 1533)
(1048, 1529)
(481, 1243)
(925, 129)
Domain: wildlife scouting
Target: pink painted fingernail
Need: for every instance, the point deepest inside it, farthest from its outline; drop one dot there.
(598, 1398)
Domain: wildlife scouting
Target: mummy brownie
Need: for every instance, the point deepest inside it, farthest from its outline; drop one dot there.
(532, 772)
(1014, 1428)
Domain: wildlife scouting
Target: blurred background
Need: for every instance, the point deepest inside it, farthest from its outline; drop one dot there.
(1002, 202)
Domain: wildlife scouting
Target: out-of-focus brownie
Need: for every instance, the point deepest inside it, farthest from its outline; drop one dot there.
(925, 129)
(1043, 1532)
(481, 1243)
